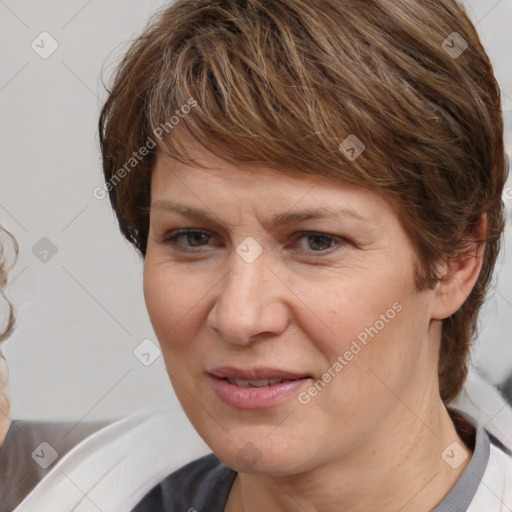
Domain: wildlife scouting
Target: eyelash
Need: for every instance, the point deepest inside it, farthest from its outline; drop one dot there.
(172, 237)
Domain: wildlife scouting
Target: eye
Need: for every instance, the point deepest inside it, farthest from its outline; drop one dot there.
(194, 237)
(318, 242)
(315, 242)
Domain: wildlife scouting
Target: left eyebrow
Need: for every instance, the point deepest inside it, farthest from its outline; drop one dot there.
(278, 220)
(318, 213)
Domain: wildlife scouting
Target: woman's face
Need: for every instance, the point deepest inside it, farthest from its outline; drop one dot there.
(261, 289)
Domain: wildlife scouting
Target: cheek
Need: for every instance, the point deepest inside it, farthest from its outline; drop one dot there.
(374, 323)
(171, 300)
(386, 358)
(359, 307)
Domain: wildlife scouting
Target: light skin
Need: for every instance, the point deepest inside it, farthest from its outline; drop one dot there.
(372, 438)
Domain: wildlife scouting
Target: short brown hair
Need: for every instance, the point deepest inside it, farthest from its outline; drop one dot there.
(282, 83)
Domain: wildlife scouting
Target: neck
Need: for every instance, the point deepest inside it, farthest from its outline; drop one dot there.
(400, 468)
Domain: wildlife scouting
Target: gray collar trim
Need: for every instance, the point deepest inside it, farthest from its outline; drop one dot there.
(462, 493)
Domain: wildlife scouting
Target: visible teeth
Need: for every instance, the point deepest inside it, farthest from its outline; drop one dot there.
(242, 383)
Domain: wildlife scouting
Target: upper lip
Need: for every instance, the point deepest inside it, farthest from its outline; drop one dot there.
(259, 373)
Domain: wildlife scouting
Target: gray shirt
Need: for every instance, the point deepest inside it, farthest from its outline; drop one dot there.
(205, 483)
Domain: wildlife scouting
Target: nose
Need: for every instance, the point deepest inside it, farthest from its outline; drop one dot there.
(250, 303)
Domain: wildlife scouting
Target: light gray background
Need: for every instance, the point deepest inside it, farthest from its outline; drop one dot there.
(81, 314)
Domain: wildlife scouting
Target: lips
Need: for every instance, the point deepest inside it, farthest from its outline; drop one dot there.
(256, 383)
(256, 388)
(256, 374)
(257, 377)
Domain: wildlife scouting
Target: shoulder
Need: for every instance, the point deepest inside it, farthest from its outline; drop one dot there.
(203, 484)
(29, 449)
(63, 433)
(500, 462)
(495, 491)
(118, 464)
(42, 442)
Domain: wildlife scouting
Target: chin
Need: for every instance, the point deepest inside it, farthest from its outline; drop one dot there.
(257, 454)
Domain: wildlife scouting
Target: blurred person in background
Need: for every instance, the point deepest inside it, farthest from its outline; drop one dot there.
(27, 448)
(6, 327)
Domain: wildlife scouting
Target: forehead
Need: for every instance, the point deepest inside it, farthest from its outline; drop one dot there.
(217, 183)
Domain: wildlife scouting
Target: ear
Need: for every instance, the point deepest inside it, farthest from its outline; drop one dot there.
(460, 275)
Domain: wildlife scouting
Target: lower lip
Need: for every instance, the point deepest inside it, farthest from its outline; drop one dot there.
(256, 398)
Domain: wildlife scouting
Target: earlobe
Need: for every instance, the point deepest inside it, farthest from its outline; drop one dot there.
(459, 275)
